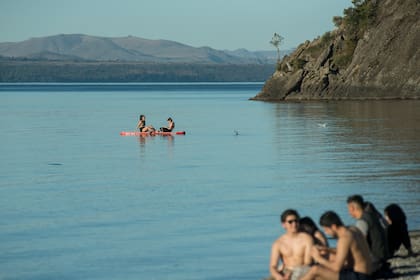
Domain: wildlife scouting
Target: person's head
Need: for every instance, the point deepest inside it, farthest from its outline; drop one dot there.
(170, 120)
(394, 214)
(290, 220)
(306, 224)
(330, 221)
(355, 206)
(142, 117)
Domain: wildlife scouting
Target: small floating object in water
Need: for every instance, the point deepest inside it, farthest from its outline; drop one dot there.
(55, 163)
(236, 133)
(322, 125)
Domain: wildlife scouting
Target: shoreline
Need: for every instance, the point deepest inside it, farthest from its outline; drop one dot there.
(405, 267)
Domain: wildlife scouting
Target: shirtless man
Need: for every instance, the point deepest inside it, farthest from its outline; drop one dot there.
(352, 259)
(292, 248)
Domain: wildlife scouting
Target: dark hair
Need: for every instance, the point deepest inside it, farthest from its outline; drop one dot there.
(169, 119)
(141, 116)
(307, 225)
(395, 214)
(288, 212)
(330, 218)
(357, 199)
(370, 207)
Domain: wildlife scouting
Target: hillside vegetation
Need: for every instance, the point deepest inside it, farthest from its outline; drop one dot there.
(372, 54)
(12, 70)
(84, 58)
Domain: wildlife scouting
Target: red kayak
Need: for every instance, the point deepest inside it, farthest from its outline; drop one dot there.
(138, 133)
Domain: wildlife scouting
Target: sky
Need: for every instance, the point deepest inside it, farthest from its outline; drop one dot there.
(219, 24)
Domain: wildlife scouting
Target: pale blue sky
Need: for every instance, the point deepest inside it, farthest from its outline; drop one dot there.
(220, 24)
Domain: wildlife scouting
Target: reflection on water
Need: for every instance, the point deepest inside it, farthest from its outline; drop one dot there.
(144, 139)
(390, 121)
(368, 147)
(384, 126)
(90, 204)
(390, 129)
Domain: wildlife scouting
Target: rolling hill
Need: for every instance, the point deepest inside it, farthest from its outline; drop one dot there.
(80, 47)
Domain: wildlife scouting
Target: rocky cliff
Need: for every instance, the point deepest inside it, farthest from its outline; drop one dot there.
(374, 53)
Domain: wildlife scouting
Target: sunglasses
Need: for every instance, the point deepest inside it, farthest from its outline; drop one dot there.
(292, 221)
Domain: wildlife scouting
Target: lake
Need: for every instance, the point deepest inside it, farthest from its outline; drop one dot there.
(79, 201)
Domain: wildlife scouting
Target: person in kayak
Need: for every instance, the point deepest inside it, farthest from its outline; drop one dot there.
(170, 127)
(141, 125)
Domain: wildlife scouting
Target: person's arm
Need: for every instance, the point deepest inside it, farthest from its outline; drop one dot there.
(343, 248)
(405, 238)
(318, 235)
(362, 226)
(307, 260)
(274, 262)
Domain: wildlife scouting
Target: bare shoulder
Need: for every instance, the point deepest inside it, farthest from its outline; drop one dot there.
(278, 242)
(351, 234)
(354, 231)
(304, 237)
(357, 234)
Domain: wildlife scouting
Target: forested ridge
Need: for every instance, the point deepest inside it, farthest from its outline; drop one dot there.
(372, 54)
(27, 70)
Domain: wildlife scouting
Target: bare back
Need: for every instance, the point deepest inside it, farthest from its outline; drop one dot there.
(359, 258)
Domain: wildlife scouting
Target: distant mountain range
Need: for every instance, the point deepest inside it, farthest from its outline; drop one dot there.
(79, 47)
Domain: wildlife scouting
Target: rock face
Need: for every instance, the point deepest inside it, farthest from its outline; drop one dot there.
(380, 60)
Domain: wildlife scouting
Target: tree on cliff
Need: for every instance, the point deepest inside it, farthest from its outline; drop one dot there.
(276, 42)
(370, 55)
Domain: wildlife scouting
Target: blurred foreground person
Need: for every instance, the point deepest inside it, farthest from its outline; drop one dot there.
(306, 224)
(292, 249)
(352, 257)
(369, 224)
(397, 229)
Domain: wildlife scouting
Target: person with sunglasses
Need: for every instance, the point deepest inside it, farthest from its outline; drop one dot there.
(292, 249)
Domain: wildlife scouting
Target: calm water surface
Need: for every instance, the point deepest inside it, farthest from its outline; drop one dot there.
(78, 201)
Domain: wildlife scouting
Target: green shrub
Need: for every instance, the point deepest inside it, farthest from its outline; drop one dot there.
(316, 49)
(343, 58)
(298, 63)
(358, 18)
(326, 39)
(338, 21)
(354, 23)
